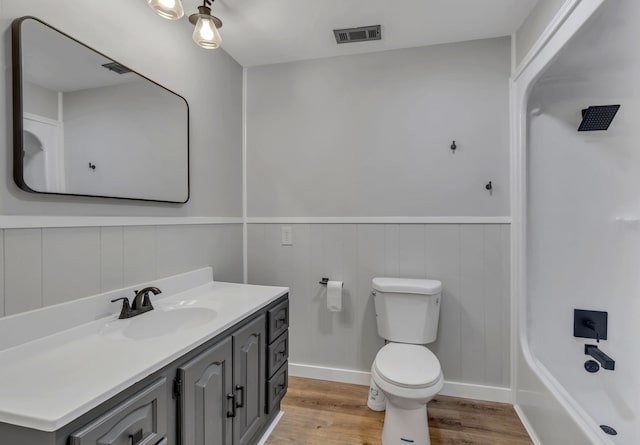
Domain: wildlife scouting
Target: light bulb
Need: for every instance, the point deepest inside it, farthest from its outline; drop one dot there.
(168, 9)
(206, 33)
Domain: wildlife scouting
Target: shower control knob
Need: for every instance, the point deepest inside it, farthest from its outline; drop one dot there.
(591, 366)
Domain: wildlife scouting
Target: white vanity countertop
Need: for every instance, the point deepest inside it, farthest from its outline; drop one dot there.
(48, 382)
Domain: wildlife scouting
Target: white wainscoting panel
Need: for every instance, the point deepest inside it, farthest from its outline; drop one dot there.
(70, 263)
(111, 258)
(472, 261)
(44, 266)
(139, 254)
(22, 270)
(1, 271)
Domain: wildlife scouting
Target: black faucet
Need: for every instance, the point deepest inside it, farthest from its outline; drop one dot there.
(606, 361)
(141, 302)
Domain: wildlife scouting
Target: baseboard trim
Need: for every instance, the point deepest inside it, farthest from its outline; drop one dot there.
(330, 374)
(267, 433)
(454, 389)
(527, 425)
(477, 392)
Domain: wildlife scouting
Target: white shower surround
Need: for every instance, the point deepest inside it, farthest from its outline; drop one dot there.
(549, 412)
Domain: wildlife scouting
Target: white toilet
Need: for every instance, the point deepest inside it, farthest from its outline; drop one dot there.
(406, 372)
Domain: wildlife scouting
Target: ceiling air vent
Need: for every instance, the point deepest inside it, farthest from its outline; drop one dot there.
(116, 68)
(362, 34)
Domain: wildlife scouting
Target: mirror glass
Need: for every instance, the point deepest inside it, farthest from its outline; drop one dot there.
(86, 125)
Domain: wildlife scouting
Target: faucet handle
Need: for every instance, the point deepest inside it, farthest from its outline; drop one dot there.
(146, 301)
(125, 312)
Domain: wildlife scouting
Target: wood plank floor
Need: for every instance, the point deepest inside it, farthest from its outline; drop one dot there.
(326, 413)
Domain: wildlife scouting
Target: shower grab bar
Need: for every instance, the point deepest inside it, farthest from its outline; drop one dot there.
(606, 361)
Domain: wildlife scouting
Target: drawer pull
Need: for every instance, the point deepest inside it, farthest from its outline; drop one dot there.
(241, 404)
(136, 437)
(232, 413)
(281, 321)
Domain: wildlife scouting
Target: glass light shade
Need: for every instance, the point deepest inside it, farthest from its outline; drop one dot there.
(206, 33)
(168, 9)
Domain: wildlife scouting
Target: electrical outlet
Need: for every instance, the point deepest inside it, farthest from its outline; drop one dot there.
(286, 233)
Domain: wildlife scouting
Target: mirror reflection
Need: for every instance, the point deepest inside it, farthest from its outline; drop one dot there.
(91, 126)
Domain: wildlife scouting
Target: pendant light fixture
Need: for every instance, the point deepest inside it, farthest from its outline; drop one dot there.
(167, 9)
(206, 33)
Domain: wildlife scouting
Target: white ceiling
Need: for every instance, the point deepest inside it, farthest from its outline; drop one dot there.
(261, 32)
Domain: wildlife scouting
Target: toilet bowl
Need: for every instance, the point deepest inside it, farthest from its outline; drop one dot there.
(409, 376)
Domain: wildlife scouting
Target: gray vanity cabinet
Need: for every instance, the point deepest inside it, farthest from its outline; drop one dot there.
(207, 397)
(248, 376)
(226, 391)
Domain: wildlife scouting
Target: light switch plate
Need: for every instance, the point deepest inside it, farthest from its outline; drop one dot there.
(286, 235)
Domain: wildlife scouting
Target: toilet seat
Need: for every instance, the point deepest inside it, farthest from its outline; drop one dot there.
(407, 366)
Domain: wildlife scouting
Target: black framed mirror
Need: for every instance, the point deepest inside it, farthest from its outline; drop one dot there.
(86, 125)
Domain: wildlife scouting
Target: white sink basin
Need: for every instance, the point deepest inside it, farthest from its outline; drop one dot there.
(161, 322)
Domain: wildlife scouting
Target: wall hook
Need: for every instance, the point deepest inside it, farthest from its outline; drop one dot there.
(92, 166)
(489, 186)
(453, 146)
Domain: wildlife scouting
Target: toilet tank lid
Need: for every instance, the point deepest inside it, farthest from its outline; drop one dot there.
(407, 285)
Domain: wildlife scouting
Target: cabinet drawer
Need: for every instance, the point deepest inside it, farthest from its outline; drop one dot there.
(278, 321)
(278, 353)
(140, 420)
(277, 387)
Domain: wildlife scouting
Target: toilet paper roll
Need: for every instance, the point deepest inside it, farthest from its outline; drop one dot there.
(334, 296)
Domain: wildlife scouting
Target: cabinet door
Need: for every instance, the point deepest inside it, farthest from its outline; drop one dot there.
(248, 376)
(206, 403)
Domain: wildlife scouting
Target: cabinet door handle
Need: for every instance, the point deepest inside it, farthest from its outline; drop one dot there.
(241, 404)
(136, 437)
(232, 397)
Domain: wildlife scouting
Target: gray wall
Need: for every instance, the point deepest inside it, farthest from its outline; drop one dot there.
(349, 136)
(472, 261)
(534, 25)
(50, 265)
(131, 33)
(46, 266)
(369, 135)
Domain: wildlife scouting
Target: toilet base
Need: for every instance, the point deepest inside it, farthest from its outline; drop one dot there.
(405, 426)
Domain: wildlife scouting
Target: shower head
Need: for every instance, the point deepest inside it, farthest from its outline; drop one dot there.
(598, 117)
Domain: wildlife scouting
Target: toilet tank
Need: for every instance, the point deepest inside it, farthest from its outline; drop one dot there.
(407, 310)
